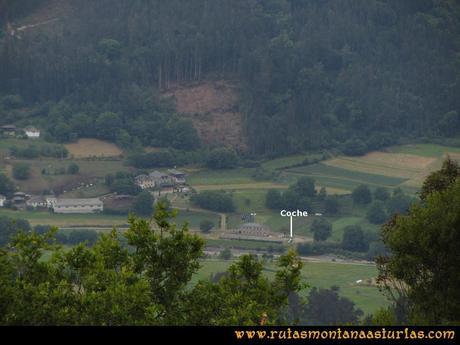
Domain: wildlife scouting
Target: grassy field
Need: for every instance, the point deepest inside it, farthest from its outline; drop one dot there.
(387, 164)
(97, 220)
(253, 200)
(6, 143)
(194, 218)
(403, 166)
(89, 170)
(245, 244)
(323, 275)
(340, 223)
(221, 177)
(240, 186)
(66, 220)
(283, 162)
(346, 177)
(424, 150)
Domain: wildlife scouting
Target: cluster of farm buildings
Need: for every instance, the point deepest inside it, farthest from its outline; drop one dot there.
(11, 130)
(155, 179)
(159, 180)
(58, 205)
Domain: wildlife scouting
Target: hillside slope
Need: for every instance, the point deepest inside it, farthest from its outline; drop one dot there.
(213, 108)
(352, 75)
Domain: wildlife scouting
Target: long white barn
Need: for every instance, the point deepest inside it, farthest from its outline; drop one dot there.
(89, 205)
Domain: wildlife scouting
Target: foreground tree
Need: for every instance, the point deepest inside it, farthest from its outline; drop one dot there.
(147, 284)
(326, 307)
(244, 296)
(424, 265)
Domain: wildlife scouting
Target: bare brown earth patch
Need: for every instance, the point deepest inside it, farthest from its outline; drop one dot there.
(93, 148)
(212, 106)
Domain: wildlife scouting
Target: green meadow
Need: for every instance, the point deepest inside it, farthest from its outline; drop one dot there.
(366, 296)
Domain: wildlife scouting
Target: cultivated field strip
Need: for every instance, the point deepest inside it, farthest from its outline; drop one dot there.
(343, 178)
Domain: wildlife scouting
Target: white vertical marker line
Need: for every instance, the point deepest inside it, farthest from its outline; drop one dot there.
(291, 228)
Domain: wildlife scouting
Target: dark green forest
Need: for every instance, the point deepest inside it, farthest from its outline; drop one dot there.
(355, 75)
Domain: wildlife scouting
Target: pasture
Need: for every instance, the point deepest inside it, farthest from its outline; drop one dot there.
(193, 218)
(67, 220)
(283, 162)
(6, 143)
(424, 150)
(322, 275)
(411, 164)
(240, 186)
(244, 244)
(344, 178)
(55, 177)
(221, 177)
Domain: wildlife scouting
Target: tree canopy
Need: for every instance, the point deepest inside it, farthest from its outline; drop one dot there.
(423, 267)
(146, 283)
(312, 74)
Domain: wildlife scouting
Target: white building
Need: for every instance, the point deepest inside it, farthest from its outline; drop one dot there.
(37, 201)
(177, 176)
(32, 132)
(50, 201)
(145, 181)
(2, 200)
(161, 179)
(89, 205)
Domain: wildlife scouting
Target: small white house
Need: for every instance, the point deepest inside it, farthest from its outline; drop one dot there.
(177, 176)
(2, 200)
(50, 201)
(37, 202)
(32, 132)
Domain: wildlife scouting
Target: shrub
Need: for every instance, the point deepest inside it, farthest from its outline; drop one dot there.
(354, 147)
(331, 205)
(21, 171)
(353, 239)
(206, 226)
(222, 158)
(73, 168)
(381, 193)
(376, 213)
(214, 200)
(143, 204)
(321, 229)
(362, 194)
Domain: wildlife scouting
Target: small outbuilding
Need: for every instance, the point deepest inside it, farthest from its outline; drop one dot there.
(32, 132)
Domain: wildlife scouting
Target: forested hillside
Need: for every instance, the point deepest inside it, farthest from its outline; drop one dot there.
(351, 74)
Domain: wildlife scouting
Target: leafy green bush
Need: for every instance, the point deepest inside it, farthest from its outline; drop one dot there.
(218, 201)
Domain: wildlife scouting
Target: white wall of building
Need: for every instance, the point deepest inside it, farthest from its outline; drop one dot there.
(33, 134)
